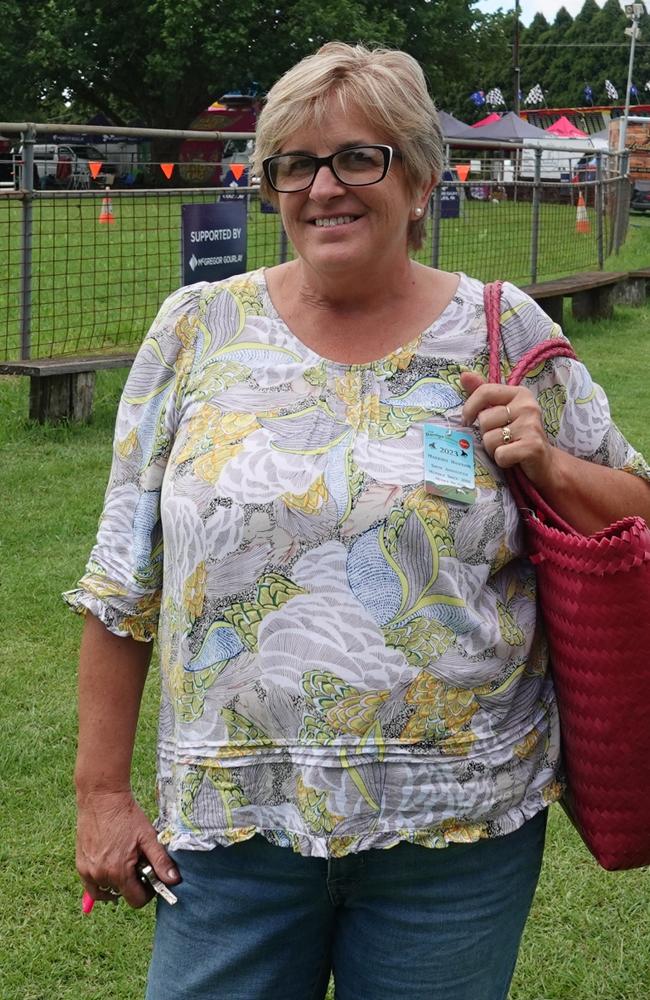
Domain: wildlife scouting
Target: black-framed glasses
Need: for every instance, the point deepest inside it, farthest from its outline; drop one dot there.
(356, 166)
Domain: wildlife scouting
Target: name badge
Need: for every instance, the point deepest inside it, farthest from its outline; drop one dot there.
(449, 463)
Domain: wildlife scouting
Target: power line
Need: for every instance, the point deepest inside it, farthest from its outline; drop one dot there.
(580, 45)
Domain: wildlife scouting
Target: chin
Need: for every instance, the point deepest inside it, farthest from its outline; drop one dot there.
(333, 259)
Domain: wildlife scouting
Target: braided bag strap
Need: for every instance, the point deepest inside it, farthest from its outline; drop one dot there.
(526, 496)
(554, 347)
(492, 305)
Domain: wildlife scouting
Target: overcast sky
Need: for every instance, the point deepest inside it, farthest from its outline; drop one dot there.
(529, 8)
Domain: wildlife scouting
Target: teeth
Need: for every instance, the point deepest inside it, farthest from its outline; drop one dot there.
(338, 220)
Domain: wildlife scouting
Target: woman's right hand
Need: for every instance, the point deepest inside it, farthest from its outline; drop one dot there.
(113, 835)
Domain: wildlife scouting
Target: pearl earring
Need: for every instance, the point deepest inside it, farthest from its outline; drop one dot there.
(418, 211)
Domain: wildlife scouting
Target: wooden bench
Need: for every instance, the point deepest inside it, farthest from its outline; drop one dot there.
(63, 388)
(634, 291)
(593, 294)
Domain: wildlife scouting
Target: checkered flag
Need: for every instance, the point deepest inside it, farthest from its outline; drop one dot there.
(535, 95)
(495, 98)
(612, 92)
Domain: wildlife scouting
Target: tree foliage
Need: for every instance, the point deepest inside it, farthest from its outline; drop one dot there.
(161, 62)
(574, 53)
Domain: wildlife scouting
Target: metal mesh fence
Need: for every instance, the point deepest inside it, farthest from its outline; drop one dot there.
(503, 233)
(10, 275)
(97, 285)
(72, 284)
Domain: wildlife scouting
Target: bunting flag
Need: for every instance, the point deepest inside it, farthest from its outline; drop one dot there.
(612, 92)
(535, 95)
(94, 166)
(494, 97)
(167, 169)
(478, 98)
(589, 94)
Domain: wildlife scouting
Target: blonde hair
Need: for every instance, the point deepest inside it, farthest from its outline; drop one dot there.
(387, 86)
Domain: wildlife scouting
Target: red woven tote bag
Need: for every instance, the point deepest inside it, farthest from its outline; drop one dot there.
(594, 595)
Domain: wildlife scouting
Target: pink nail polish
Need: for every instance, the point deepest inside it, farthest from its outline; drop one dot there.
(87, 903)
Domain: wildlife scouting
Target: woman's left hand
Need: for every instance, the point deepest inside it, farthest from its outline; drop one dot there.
(511, 425)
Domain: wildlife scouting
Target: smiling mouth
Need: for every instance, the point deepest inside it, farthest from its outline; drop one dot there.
(336, 220)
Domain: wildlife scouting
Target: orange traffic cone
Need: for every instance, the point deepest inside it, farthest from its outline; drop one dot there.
(106, 214)
(582, 222)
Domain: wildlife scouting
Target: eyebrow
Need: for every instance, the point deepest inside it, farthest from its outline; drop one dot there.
(344, 145)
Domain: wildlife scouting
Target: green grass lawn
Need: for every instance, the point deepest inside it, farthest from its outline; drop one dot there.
(589, 934)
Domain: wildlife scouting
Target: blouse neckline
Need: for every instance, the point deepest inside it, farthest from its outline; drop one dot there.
(399, 358)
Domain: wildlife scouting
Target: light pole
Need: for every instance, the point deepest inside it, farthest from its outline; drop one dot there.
(515, 58)
(634, 12)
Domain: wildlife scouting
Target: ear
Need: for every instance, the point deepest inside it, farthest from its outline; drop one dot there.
(427, 189)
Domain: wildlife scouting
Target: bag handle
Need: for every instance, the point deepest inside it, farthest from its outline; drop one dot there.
(527, 498)
(554, 347)
(492, 305)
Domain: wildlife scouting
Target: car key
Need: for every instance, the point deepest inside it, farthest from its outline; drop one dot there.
(148, 876)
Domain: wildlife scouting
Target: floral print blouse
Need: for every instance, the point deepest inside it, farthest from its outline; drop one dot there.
(347, 660)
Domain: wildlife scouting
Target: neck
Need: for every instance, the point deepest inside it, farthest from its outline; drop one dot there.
(350, 292)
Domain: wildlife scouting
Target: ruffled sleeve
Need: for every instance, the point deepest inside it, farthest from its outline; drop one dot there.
(123, 579)
(575, 409)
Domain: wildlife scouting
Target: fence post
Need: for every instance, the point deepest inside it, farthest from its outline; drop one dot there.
(534, 225)
(600, 211)
(624, 217)
(436, 202)
(28, 139)
(621, 191)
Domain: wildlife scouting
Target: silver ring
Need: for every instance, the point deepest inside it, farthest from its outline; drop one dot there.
(506, 434)
(109, 889)
(508, 413)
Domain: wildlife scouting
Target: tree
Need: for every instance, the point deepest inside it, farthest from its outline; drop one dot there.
(443, 36)
(560, 56)
(562, 21)
(493, 62)
(161, 62)
(22, 82)
(576, 63)
(597, 65)
(534, 53)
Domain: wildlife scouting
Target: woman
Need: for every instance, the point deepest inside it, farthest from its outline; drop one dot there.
(351, 663)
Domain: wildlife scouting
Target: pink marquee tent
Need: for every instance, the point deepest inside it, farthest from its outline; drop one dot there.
(565, 129)
(490, 120)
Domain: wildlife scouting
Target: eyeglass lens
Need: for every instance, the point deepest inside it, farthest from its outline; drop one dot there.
(354, 166)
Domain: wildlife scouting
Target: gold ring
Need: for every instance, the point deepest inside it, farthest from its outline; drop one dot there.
(506, 434)
(509, 414)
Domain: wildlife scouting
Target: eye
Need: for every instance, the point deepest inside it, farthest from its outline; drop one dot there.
(296, 166)
(359, 158)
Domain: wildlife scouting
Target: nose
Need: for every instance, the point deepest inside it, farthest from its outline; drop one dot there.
(325, 184)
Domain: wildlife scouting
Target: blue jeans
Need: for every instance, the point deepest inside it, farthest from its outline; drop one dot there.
(258, 922)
